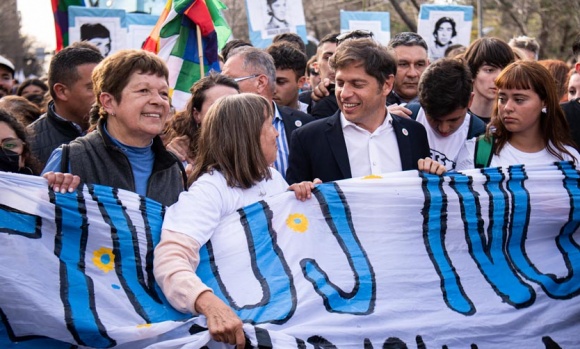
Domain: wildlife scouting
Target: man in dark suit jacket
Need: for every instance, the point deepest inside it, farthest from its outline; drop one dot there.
(362, 138)
(254, 70)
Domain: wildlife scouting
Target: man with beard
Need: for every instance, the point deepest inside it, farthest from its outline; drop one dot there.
(6, 77)
(71, 89)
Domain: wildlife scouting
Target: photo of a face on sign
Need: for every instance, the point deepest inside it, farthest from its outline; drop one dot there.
(443, 29)
(272, 17)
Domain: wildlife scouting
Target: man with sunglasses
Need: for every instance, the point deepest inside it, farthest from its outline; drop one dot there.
(255, 72)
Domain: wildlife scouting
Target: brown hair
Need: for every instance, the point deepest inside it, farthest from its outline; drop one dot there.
(24, 110)
(530, 75)
(183, 123)
(372, 56)
(559, 71)
(229, 141)
(113, 73)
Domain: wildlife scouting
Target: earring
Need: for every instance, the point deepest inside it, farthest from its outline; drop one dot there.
(544, 110)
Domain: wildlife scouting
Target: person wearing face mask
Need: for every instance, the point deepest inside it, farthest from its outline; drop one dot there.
(16, 157)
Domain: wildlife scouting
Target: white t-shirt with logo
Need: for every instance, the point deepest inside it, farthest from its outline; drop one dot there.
(445, 149)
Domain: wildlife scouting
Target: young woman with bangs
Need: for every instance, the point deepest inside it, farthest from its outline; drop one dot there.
(527, 126)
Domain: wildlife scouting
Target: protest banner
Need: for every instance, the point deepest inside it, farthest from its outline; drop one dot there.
(379, 23)
(485, 258)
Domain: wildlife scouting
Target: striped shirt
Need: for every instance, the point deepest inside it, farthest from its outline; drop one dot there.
(281, 163)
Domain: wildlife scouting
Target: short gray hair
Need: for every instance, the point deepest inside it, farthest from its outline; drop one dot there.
(257, 61)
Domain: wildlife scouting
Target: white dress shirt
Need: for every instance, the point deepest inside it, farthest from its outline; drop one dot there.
(371, 153)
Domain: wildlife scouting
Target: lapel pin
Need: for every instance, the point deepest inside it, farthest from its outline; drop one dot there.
(405, 132)
(298, 123)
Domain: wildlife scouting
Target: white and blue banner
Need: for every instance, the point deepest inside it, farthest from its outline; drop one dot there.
(444, 25)
(268, 18)
(379, 23)
(487, 259)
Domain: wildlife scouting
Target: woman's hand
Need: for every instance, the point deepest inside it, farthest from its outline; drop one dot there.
(431, 166)
(223, 324)
(179, 146)
(303, 190)
(62, 182)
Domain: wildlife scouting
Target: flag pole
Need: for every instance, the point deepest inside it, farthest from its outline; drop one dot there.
(200, 51)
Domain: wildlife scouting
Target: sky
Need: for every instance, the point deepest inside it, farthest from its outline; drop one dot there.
(37, 21)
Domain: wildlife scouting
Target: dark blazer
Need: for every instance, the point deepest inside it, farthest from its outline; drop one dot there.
(292, 119)
(325, 107)
(318, 150)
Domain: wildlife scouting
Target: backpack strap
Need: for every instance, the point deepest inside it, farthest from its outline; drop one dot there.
(64, 158)
(483, 151)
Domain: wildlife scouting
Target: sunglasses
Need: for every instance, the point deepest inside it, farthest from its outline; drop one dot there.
(313, 72)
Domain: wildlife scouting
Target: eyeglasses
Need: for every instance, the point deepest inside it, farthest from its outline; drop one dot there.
(354, 34)
(246, 77)
(13, 144)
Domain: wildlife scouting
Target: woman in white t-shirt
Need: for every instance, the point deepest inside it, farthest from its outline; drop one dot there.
(232, 169)
(527, 126)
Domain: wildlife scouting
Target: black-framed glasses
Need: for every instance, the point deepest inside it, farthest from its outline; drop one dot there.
(15, 145)
(354, 34)
(246, 77)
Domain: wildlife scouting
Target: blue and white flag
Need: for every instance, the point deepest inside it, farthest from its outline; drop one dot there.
(444, 25)
(485, 258)
(379, 23)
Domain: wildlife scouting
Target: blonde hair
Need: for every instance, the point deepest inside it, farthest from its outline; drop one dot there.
(229, 141)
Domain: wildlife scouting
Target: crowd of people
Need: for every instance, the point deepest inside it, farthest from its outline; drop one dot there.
(275, 120)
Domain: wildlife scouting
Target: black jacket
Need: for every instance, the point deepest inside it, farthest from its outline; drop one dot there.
(318, 150)
(97, 160)
(50, 132)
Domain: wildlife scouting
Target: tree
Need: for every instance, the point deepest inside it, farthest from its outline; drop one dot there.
(554, 23)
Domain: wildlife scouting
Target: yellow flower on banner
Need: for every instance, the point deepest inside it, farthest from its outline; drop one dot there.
(297, 222)
(104, 259)
(372, 177)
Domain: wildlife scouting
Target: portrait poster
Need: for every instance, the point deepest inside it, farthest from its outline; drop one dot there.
(106, 28)
(379, 23)
(444, 25)
(268, 18)
(139, 26)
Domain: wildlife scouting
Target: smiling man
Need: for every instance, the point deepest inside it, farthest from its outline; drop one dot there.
(445, 94)
(6, 77)
(362, 137)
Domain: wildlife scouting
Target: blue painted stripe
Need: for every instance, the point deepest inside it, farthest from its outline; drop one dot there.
(76, 289)
(490, 255)
(434, 230)
(20, 223)
(278, 302)
(127, 257)
(361, 299)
